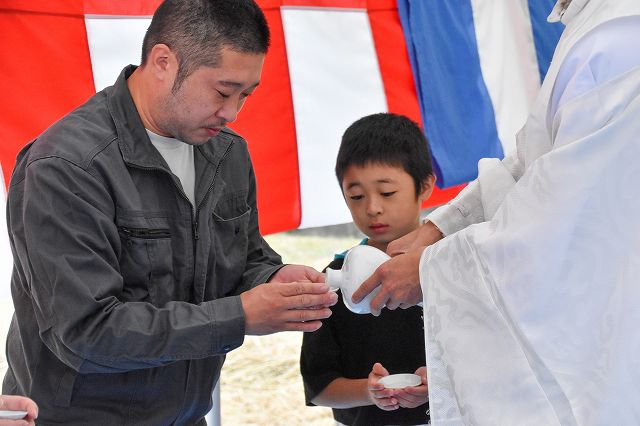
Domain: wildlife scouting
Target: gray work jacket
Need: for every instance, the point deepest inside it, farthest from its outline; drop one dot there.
(126, 294)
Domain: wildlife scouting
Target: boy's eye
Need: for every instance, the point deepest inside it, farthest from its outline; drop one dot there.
(223, 95)
(388, 194)
(356, 197)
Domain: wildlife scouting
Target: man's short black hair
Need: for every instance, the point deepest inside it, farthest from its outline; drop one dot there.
(387, 139)
(197, 30)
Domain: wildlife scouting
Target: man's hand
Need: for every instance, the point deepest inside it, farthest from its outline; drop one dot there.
(295, 306)
(423, 236)
(291, 273)
(18, 403)
(383, 398)
(400, 281)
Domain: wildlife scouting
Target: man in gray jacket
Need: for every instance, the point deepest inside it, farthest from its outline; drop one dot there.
(134, 230)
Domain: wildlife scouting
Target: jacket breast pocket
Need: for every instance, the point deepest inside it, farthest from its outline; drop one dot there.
(146, 260)
(230, 228)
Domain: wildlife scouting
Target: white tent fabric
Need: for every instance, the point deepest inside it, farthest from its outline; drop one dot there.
(508, 60)
(335, 79)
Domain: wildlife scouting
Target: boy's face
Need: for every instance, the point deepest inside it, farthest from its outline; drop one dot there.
(382, 200)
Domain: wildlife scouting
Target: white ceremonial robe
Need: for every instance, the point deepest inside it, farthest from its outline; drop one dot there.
(532, 301)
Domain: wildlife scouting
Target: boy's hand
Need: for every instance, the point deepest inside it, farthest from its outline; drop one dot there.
(414, 396)
(381, 397)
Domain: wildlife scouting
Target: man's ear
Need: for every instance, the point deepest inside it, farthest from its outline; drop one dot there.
(162, 63)
(427, 187)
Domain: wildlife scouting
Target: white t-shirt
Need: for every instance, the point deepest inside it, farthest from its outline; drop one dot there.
(179, 157)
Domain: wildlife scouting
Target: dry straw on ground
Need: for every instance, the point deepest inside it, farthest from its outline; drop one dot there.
(261, 383)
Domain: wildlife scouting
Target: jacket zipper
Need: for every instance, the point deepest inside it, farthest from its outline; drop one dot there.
(194, 209)
(180, 190)
(196, 236)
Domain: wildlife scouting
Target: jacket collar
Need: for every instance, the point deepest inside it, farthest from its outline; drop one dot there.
(134, 142)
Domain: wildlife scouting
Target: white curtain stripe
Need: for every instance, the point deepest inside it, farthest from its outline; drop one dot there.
(114, 42)
(508, 62)
(335, 79)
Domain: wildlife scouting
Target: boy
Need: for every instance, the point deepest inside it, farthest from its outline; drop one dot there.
(385, 172)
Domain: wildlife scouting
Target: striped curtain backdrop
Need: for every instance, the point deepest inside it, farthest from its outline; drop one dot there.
(466, 70)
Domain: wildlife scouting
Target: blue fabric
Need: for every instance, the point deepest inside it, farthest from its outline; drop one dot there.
(456, 108)
(545, 34)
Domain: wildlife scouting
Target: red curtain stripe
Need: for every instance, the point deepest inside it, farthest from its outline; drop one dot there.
(268, 124)
(46, 72)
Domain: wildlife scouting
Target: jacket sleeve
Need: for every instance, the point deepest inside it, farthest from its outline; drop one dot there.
(66, 247)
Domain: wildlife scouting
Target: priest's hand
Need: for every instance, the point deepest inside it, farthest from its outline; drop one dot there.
(399, 280)
(425, 235)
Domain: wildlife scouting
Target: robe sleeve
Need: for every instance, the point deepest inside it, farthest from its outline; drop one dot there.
(531, 315)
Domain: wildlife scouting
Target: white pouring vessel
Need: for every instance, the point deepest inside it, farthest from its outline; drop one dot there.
(359, 264)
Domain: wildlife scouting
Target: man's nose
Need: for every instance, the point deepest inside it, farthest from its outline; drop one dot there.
(229, 109)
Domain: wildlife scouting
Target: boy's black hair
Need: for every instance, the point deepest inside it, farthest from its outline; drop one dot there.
(388, 139)
(197, 30)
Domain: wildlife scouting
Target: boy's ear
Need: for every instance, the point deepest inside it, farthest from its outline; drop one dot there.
(427, 187)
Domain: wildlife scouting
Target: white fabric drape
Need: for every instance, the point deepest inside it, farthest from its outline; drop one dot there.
(531, 313)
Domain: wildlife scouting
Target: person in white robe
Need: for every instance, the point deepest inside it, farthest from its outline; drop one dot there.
(532, 298)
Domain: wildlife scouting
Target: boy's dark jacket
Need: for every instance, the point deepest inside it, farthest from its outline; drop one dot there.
(344, 347)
